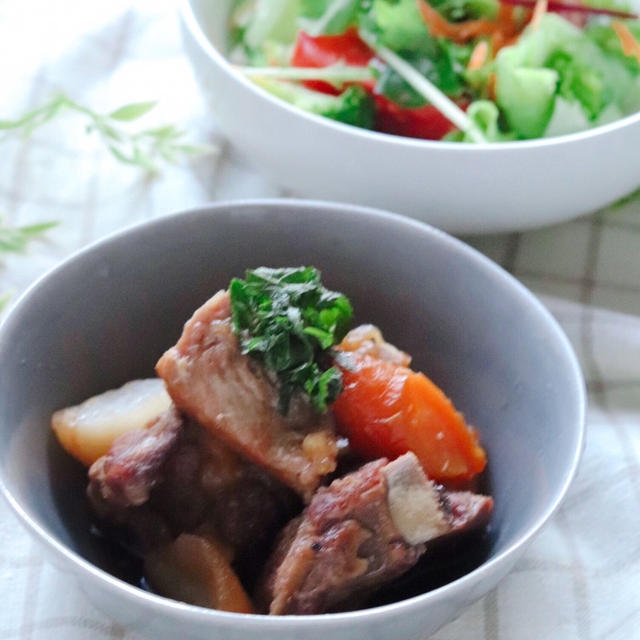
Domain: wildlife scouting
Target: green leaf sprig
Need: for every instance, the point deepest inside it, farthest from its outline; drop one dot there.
(287, 320)
(145, 148)
(16, 240)
(4, 299)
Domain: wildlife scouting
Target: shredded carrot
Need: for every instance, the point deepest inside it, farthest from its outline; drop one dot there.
(506, 20)
(630, 45)
(504, 31)
(491, 86)
(478, 55)
(507, 29)
(459, 32)
(539, 10)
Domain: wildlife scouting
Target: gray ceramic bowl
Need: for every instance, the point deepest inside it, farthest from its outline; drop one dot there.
(106, 314)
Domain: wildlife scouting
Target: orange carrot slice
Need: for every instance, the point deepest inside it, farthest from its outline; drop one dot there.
(630, 45)
(459, 31)
(447, 448)
(386, 410)
(478, 56)
(491, 86)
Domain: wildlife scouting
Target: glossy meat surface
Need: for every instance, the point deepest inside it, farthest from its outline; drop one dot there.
(233, 397)
(360, 533)
(177, 478)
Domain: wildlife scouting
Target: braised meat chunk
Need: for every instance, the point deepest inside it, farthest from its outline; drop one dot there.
(236, 399)
(359, 533)
(134, 464)
(176, 477)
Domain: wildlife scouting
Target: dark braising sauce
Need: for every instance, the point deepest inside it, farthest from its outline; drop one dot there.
(443, 562)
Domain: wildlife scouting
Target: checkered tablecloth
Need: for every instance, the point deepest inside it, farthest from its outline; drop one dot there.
(580, 580)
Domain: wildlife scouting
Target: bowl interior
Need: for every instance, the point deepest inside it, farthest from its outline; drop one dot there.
(105, 316)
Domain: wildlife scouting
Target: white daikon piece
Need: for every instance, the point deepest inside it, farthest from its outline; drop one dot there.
(88, 430)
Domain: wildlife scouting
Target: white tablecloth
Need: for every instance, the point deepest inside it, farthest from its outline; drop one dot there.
(580, 580)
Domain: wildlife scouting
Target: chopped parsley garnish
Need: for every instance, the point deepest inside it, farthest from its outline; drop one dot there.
(288, 321)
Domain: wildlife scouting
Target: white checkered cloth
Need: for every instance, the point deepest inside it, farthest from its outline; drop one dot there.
(580, 580)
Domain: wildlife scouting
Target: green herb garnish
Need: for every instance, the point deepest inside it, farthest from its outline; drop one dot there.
(288, 321)
(144, 148)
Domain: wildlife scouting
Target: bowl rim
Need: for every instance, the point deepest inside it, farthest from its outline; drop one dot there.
(196, 30)
(193, 613)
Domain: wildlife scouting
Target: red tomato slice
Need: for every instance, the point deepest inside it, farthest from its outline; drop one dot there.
(347, 48)
(422, 122)
(324, 51)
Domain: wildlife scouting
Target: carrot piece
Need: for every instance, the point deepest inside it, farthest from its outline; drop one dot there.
(369, 410)
(194, 569)
(491, 86)
(459, 32)
(630, 45)
(478, 56)
(503, 32)
(386, 410)
(447, 448)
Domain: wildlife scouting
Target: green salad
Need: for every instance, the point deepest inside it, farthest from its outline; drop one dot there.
(459, 70)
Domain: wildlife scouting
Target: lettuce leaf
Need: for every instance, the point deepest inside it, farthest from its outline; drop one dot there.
(558, 59)
(328, 16)
(527, 97)
(353, 106)
(444, 67)
(275, 20)
(396, 24)
(486, 116)
(580, 83)
(458, 10)
(605, 37)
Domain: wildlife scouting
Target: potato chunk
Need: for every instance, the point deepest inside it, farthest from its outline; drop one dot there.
(87, 430)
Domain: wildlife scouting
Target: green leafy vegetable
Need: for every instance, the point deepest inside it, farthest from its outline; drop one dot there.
(395, 24)
(353, 106)
(526, 90)
(607, 39)
(288, 321)
(487, 118)
(560, 60)
(144, 148)
(580, 82)
(458, 10)
(431, 93)
(444, 67)
(275, 20)
(328, 16)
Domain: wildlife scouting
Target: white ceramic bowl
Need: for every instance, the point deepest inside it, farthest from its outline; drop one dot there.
(462, 188)
(105, 315)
